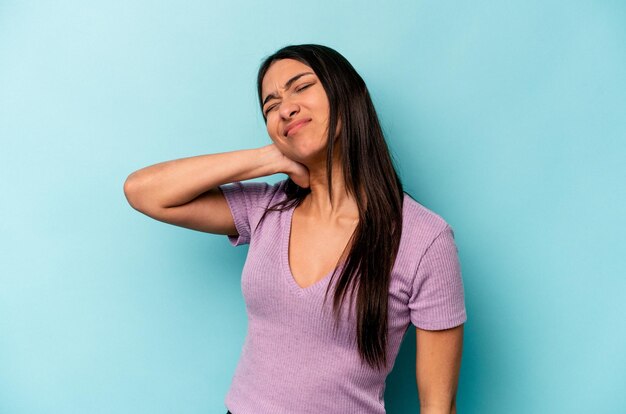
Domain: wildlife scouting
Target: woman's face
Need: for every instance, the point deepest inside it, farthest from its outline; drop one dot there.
(296, 109)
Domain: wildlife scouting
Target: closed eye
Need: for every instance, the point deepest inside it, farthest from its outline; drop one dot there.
(269, 109)
(297, 90)
(304, 87)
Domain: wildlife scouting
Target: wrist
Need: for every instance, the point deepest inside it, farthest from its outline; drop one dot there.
(271, 159)
(438, 409)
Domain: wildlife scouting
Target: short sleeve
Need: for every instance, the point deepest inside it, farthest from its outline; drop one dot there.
(246, 200)
(437, 299)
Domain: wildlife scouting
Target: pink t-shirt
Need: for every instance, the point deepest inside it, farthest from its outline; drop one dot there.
(292, 361)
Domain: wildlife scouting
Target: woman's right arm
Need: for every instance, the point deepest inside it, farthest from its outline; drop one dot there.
(184, 192)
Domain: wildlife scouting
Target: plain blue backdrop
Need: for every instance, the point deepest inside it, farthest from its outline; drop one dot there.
(506, 118)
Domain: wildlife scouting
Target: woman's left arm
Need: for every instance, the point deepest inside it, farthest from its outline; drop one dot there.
(438, 363)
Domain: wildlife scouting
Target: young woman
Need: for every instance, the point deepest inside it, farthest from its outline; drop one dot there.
(339, 227)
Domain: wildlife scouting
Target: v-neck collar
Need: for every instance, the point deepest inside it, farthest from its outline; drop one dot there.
(286, 268)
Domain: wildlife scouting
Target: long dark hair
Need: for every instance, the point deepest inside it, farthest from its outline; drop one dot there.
(370, 177)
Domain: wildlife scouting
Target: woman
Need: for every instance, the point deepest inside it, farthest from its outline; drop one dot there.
(340, 223)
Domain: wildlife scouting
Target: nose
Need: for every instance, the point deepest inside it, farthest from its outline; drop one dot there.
(289, 109)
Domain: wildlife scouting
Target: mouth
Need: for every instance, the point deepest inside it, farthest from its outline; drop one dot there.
(295, 128)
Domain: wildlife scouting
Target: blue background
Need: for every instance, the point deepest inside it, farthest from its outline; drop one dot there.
(507, 118)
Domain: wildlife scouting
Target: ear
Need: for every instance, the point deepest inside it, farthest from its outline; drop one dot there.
(339, 126)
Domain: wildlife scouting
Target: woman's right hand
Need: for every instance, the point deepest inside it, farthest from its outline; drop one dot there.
(298, 172)
(184, 191)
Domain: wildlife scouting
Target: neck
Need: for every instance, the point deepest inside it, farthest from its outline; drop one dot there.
(318, 204)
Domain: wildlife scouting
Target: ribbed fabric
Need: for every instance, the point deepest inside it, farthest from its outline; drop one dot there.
(292, 361)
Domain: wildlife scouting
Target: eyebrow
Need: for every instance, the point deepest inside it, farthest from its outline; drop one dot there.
(287, 85)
